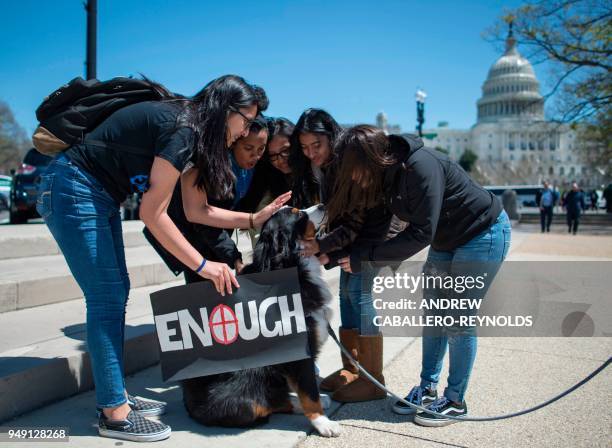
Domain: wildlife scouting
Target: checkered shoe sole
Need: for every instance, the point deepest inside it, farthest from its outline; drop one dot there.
(135, 428)
(146, 407)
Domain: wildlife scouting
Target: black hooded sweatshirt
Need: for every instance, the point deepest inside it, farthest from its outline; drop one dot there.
(442, 204)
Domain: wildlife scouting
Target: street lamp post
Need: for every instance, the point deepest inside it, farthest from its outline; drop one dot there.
(92, 18)
(420, 101)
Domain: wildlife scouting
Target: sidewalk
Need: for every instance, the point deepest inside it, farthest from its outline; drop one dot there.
(509, 375)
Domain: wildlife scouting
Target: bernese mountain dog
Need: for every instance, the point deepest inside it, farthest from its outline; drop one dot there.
(248, 397)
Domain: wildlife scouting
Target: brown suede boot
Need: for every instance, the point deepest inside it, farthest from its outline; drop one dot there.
(371, 359)
(348, 373)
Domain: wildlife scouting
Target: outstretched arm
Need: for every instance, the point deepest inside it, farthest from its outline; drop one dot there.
(154, 214)
(197, 209)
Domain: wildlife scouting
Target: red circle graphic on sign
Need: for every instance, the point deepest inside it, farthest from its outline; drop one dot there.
(223, 324)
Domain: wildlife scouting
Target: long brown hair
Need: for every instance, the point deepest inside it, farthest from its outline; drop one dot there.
(362, 156)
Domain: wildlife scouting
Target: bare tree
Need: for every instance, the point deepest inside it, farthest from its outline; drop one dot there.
(13, 140)
(574, 38)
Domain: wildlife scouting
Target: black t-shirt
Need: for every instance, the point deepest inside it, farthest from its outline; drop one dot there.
(120, 151)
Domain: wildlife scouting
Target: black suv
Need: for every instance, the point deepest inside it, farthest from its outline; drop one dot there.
(25, 182)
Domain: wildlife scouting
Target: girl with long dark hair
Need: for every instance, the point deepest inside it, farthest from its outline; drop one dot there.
(273, 174)
(465, 225)
(212, 242)
(315, 134)
(312, 156)
(144, 148)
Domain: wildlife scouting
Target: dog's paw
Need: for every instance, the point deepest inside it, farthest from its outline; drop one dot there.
(326, 427)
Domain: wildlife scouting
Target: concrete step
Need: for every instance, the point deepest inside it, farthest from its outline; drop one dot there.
(35, 281)
(30, 240)
(43, 352)
(282, 430)
(40, 280)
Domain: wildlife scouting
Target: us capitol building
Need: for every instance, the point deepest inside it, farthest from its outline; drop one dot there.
(513, 141)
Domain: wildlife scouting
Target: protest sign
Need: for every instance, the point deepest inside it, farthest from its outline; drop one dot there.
(202, 333)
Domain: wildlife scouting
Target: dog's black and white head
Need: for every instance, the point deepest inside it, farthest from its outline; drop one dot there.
(278, 245)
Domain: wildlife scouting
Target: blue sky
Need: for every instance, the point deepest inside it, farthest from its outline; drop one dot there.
(353, 58)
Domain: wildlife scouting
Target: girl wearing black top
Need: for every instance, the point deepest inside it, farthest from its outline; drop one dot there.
(146, 148)
(315, 134)
(311, 153)
(273, 174)
(464, 224)
(212, 242)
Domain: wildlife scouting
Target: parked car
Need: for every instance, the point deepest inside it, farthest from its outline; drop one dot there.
(23, 190)
(5, 192)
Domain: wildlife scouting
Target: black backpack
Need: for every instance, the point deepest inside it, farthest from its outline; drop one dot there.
(67, 114)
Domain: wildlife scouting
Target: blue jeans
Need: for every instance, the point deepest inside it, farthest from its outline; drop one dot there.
(356, 301)
(86, 223)
(489, 249)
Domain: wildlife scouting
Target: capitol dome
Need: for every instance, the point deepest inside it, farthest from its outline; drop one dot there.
(511, 90)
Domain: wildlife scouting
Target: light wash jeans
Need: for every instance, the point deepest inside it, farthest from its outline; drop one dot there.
(85, 221)
(356, 301)
(486, 250)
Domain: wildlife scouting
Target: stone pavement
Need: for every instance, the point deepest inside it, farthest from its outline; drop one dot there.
(510, 374)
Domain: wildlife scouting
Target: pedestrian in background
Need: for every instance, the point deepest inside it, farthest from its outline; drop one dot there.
(607, 194)
(574, 205)
(594, 199)
(546, 202)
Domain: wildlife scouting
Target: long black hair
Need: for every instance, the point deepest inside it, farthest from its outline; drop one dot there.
(315, 121)
(206, 113)
(267, 179)
(260, 122)
(277, 126)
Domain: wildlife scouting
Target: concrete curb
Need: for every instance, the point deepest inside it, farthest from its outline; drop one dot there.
(32, 240)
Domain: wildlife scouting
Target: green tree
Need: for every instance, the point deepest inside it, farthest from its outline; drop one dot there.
(595, 145)
(441, 149)
(468, 159)
(574, 38)
(13, 140)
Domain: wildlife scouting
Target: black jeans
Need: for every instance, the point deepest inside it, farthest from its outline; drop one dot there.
(546, 216)
(573, 219)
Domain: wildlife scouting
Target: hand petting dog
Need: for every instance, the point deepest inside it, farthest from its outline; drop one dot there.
(265, 213)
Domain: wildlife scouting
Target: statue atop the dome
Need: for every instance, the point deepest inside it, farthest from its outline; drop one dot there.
(510, 40)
